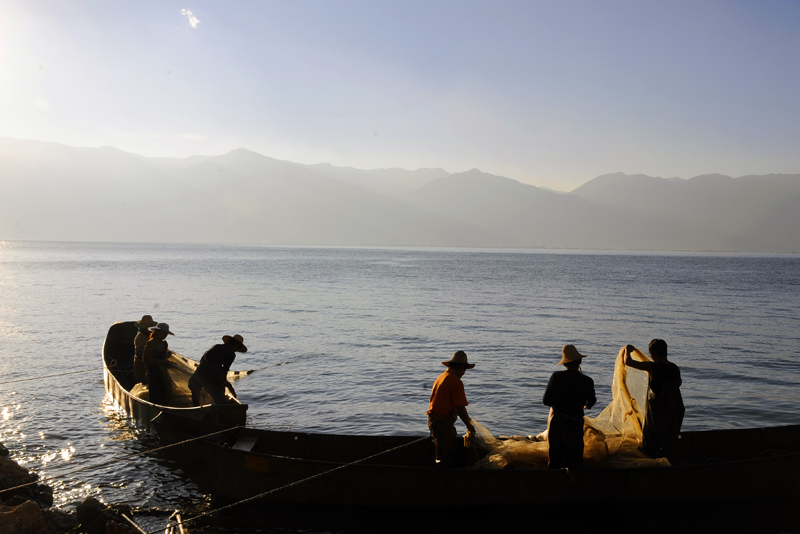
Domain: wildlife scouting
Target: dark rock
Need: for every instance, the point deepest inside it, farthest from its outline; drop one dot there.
(26, 518)
(13, 475)
(3, 450)
(59, 522)
(94, 515)
(43, 494)
(120, 528)
(16, 500)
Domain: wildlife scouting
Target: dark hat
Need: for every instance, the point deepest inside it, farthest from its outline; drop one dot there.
(145, 322)
(460, 357)
(163, 327)
(236, 339)
(569, 354)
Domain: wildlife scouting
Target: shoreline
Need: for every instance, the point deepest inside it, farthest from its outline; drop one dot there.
(26, 507)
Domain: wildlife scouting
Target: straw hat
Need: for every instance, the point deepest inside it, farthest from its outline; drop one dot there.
(163, 327)
(569, 354)
(146, 322)
(237, 340)
(461, 358)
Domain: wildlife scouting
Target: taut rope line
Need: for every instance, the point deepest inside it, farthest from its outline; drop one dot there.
(312, 477)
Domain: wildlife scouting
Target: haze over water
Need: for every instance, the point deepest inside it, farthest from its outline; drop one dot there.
(349, 340)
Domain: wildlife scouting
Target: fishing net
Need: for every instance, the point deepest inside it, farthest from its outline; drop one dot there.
(611, 439)
(176, 382)
(179, 373)
(175, 379)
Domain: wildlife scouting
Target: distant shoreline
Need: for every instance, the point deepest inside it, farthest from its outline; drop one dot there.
(10, 243)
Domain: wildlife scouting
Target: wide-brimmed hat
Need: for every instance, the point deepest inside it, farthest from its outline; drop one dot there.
(569, 354)
(459, 357)
(145, 322)
(236, 339)
(163, 327)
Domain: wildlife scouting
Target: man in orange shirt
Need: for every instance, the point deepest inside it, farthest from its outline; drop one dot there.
(448, 402)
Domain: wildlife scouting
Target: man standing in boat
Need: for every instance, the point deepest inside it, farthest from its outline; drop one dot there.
(155, 354)
(664, 408)
(212, 373)
(568, 394)
(448, 402)
(142, 336)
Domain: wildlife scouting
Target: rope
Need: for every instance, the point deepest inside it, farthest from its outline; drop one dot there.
(51, 376)
(113, 460)
(312, 477)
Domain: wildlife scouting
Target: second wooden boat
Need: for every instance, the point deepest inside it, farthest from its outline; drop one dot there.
(118, 352)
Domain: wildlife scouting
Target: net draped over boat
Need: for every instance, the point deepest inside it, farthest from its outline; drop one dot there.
(177, 382)
(611, 439)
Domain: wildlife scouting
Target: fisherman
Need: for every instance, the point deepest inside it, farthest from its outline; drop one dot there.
(664, 407)
(568, 394)
(143, 334)
(155, 355)
(212, 373)
(449, 401)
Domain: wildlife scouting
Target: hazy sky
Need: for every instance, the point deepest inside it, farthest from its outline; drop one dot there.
(548, 93)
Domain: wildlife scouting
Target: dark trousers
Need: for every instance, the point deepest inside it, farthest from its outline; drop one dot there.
(444, 437)
(565, 455)
(199, 383)
(565, 442)
(155, 382)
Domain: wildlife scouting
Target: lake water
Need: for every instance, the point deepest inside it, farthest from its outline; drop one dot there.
(350, 340)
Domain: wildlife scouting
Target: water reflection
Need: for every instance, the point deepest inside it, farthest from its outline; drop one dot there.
(65, 454)
(140, 478)
(120, 427)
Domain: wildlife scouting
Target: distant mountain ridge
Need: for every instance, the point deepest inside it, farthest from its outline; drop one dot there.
(56, 192)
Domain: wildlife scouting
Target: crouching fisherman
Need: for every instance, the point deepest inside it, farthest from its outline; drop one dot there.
(212, 373)
(448, 402)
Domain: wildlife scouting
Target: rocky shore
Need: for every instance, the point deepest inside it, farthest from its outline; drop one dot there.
(26, 507)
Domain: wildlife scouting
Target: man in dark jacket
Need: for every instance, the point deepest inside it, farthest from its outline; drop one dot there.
(568, 393)
(212, 373)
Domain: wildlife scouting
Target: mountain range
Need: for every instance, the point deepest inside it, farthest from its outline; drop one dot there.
(59, 193)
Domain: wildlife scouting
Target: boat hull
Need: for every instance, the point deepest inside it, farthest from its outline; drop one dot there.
(297, 473)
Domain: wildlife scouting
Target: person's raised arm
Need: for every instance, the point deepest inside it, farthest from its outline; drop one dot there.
(636, 364)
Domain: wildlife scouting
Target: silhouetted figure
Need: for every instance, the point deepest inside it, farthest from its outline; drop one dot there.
(664, 408)
(155, 355)
(212, 373)
(448, 402)
(143, 334)
(568, 393)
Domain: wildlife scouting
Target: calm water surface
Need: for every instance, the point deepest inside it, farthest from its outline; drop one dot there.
(350, 340)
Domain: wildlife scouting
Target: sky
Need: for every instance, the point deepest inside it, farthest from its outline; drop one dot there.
(548, 93)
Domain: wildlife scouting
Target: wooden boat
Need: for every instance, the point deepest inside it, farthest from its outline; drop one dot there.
(120, 385)
(745, 475)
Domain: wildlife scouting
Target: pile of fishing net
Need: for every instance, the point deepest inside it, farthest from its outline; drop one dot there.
(611, 440)
(176, 382)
